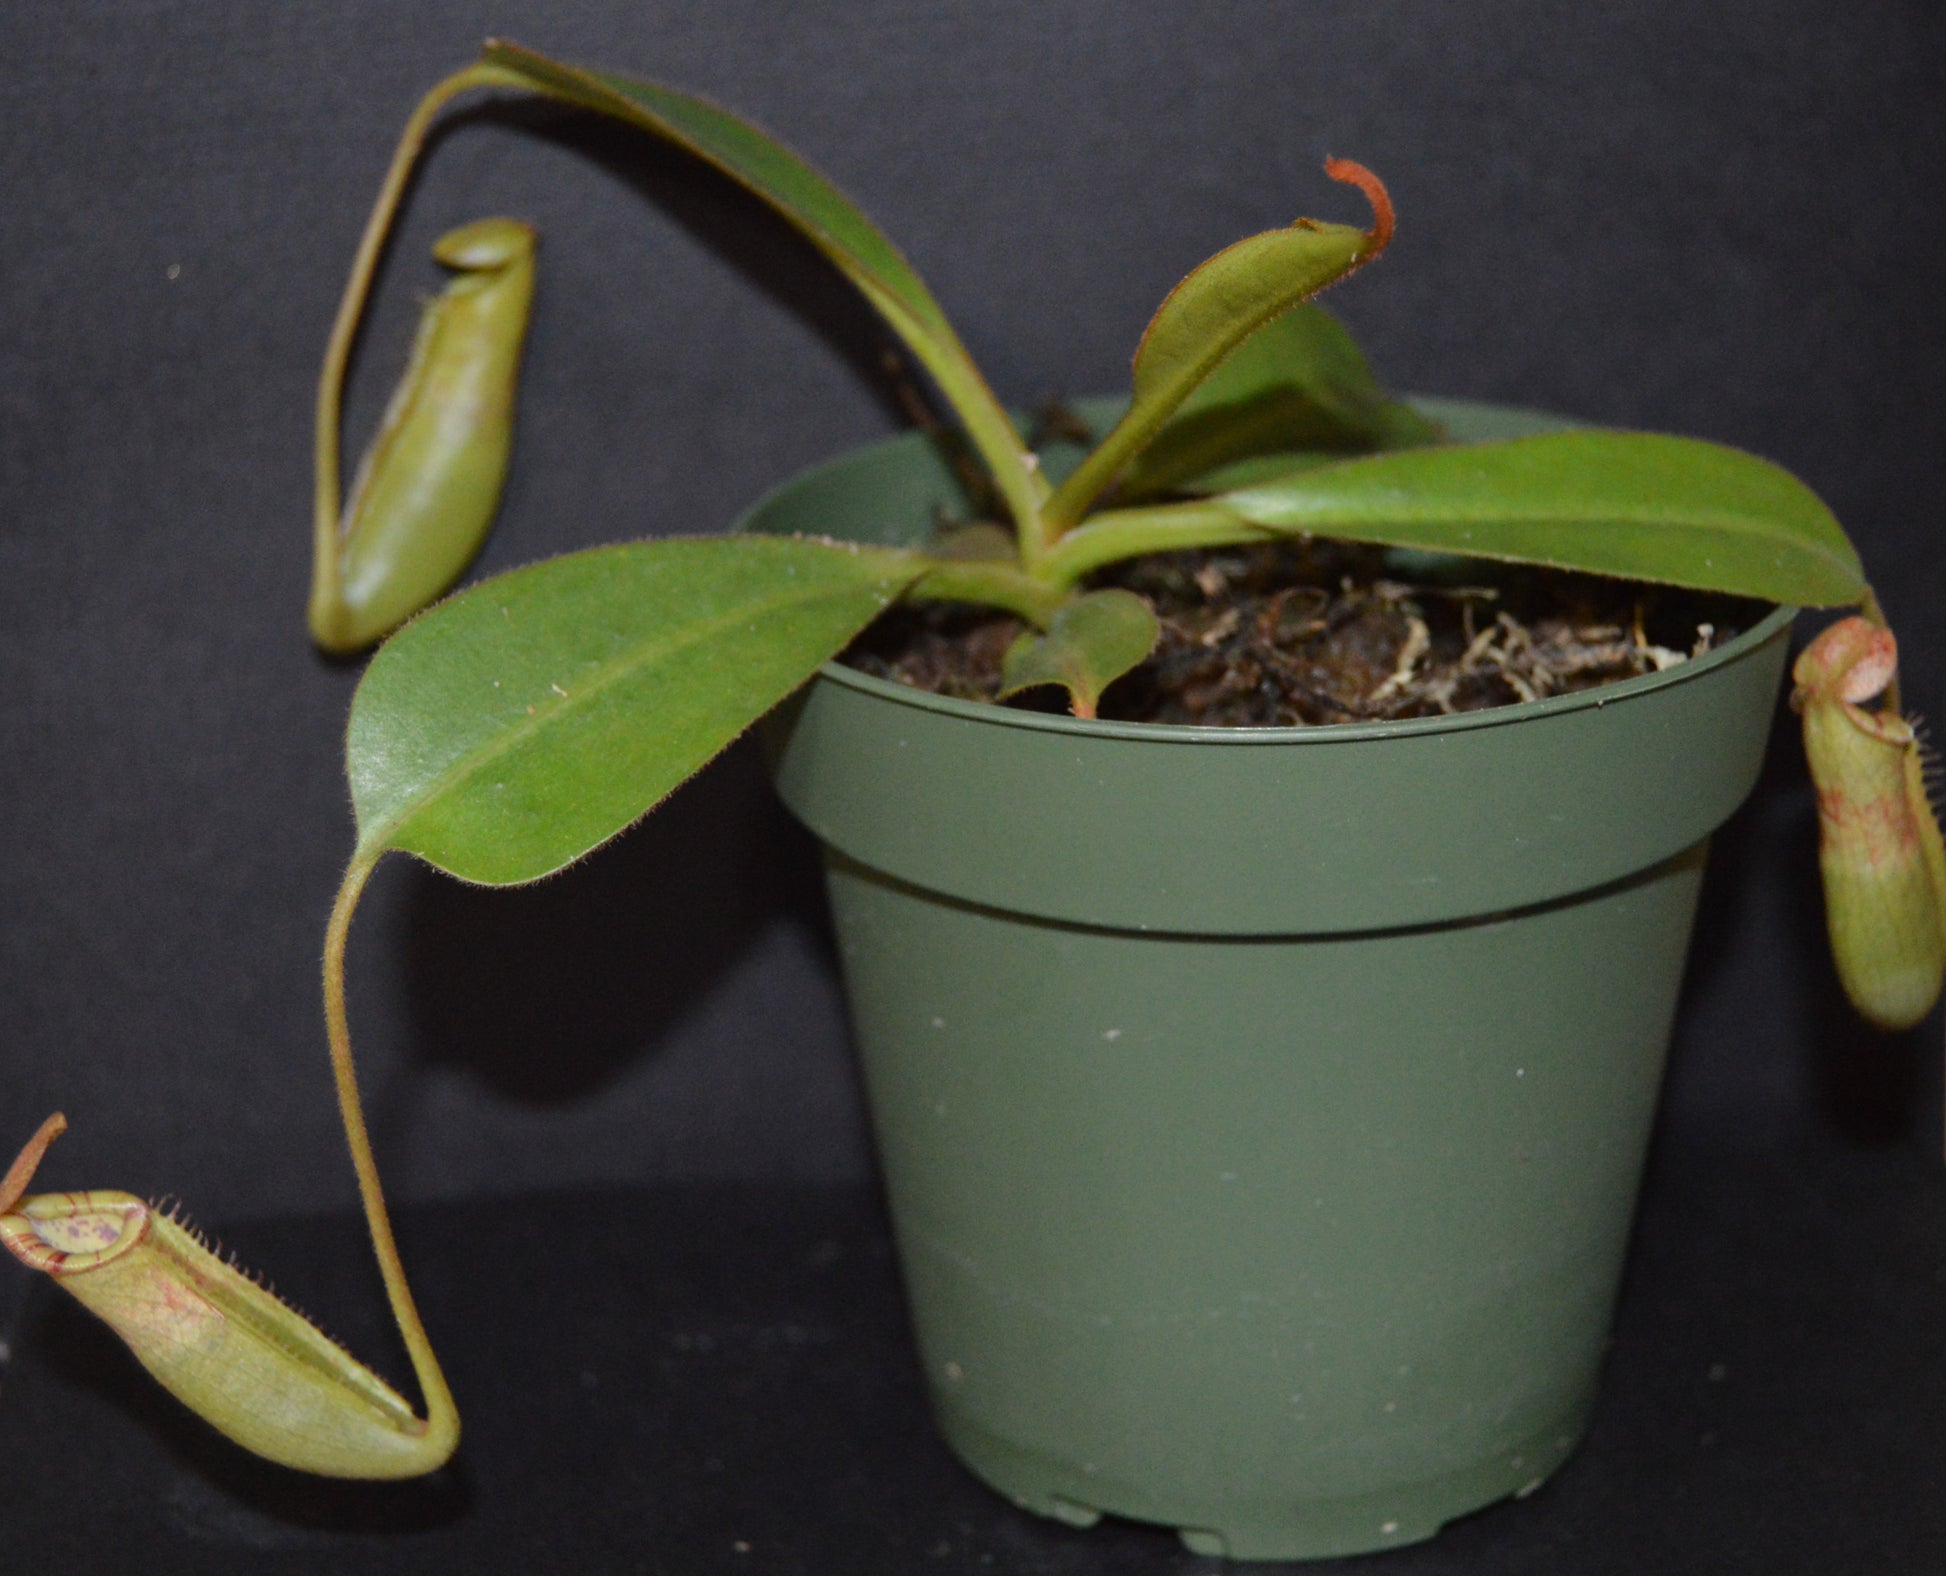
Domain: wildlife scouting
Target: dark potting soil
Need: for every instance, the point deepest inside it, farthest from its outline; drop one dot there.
(1300, 632)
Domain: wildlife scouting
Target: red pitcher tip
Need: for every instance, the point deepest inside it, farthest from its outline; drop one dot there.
(1384, 221)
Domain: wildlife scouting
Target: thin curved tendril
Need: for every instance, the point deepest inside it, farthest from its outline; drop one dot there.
(351, 310)
(442, 1417)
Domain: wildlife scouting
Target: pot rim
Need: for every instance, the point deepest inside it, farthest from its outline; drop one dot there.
(1331, 828)
(1597, 698)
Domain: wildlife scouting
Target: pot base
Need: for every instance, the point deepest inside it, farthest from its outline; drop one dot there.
(1240, 1528)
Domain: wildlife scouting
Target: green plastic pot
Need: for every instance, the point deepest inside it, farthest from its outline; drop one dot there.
(1261, 1110)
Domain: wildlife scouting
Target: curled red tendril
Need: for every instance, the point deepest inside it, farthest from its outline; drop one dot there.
(1384, 220)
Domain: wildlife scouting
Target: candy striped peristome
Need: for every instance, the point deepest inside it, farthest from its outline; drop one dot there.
(219, 1342)
(1879, 846)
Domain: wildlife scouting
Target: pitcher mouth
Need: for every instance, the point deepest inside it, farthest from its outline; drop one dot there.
(68, 1233)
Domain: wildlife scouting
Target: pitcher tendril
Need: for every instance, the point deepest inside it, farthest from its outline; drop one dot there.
(1384, 219)
(27, 1162)
(216, 1338)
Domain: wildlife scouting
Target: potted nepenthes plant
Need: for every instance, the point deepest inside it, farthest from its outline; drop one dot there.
(1262, 1093)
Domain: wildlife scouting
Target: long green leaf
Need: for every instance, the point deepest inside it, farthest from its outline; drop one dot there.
(1674, 510)
(1218, 306)
(511, 729)
(826, 217)
(1299, 383)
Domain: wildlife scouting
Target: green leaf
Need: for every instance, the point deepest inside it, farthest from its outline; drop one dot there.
(1256, 469)
(825, 216)
(1642, 506)
(1299, 383)
(1089, 644)
(515, 727)
(1221, 303)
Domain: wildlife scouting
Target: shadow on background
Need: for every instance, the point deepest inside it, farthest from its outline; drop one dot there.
(1866, 1086)
(546, 993)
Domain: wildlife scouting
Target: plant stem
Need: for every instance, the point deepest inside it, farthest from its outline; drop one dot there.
(351, 310)
(442, 1417)
(1102, 464)
(1116, 534)
(1014, 467)
(990, 584)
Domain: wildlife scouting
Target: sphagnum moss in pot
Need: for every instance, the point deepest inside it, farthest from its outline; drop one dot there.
(1261, 1106)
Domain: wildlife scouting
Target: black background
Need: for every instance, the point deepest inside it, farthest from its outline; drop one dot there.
(1723, 219)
